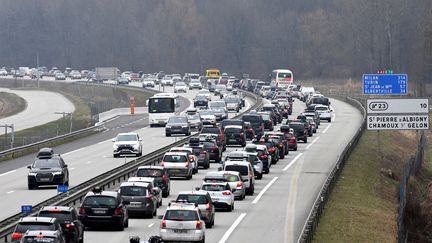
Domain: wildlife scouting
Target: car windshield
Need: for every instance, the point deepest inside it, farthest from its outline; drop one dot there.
(198, 199)
(181, 215)
(209, 144)
(177, 119)
(160, 105)
(126, 138)
(180, 84)
(24, 226)
(204, 92)
(175, 158)
(251, 118)
(37, 239)
(61, 216)
(99, 201)
(200, 97)
(214, 187)
(195, 81)
(265, 116)
(149, 173)
(46, 163)
(242, 169)
(133, 191)
(220, 86)
(296, 126)
(321, 108)
(231, 100)
(193, 117)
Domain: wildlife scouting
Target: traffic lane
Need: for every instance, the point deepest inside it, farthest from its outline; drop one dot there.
(39, 109)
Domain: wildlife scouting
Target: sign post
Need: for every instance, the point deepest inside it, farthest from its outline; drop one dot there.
(26, 209)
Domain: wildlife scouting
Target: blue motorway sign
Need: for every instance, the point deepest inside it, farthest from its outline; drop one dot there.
(62, 188)
(26, 209)
(385, 84)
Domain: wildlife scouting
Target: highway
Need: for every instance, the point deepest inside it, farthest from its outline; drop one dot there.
(40, 108)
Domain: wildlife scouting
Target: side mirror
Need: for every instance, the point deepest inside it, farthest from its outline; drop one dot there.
(140, 139)
(220, 169)
(197, 188)
(233, 190)
(113, 140)
(65, 165)
(29, 167)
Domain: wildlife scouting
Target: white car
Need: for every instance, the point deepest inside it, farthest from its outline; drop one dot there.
(75, 74)
(206, 93)
(232, 177)
(180, 87)
(220, 193)
(246, 171)
(148, 83)
(167, 81)
(3, 72)
(195, 84)
(324, 112)
(177, 164)
(127, 144)
(191, 155)
(207, 117)
(182, 222)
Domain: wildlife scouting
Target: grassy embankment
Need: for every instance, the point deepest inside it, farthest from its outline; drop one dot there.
(11, 104)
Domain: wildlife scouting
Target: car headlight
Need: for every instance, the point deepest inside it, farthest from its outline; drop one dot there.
(169, 127)
(136, 146)
(115, 147)
(184, 126)
(57, 173)
(32, 174)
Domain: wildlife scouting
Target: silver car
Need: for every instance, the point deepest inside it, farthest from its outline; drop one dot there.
(142, 200)
(177, 164)
(232, 177)
(182, 222)
(220, 193)
(204, 202)
(177, 125)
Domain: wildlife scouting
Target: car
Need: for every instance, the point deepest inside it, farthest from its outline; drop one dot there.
(315, 116)
(233, 103)
(149, 181)
(235, 135)
(249, 131)
(201, 101)
(193, 157)
(232, 177)
(313, 124)
(289, 135)
(167, 80)
(256, 121)
(268, 122)
(134, 77)
(219, 109)
(180, 87)
(35, 236)
(195, 121)
(104, 208)
(276, 116)
(263, 154)
(72, 227)
(3, 72)
(219, 88)
(213, 149)
(208, 117)
(282, 144)
(177, 125)
(216, 131)
(122, 80)
(75, 74)
(35, 223)
(127, 144)
(199, 151)
(47, 169)
(195, 84)
(148, 83)
(142, 200)
(160, 177)
(182, 221)
(246, 171)
(177, 164)
(60, 76)
(221, 194)
(271, 147)
(300, 131)
(206, 93)
(324, 112)
(248, 156)
(204, 202)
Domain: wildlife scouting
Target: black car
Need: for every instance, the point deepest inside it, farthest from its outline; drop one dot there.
(104, 208)
(256, 121)
(201, 101)
(199, 151)
(47, 169)
(73, 228)
(300, 132)
(235, 135)
(271, 147)
(274, 112)
(160, 176)
(236, 122)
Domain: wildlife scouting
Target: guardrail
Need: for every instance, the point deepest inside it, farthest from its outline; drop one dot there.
(315, 214)
(105, 180)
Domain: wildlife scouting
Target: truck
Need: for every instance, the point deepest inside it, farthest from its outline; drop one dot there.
(106, 73)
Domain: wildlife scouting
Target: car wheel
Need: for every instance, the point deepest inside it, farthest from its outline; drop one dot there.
(121, 227)
(282, 155)
(295, 149)
(189, 176)
(154, 213)
(259, 176)
(126, 223)
(82, 238)
(305, 141)
(30, 187)
(168, 134)
(329, 120)
(243, 144)
(139, 154)
(230, 208)
(207, 165)
(115, 155)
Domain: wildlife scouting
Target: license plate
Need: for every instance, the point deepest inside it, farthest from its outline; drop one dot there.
(233, 140)
(44, 179)
(135, 205)
(99, 211)
(180, 231)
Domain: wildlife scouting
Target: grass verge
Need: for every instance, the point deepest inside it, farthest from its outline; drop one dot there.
(11, 104)
(363, 205)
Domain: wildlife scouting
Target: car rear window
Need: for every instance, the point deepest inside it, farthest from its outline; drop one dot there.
(243, 170)
(214, 187)
(133, 191)
(296, 126)
(37, 239)
(22, 227)
(175, 158)
(61, 216)
(231, 178)
(181, 215)
(214, 130)
(232, 130)
(252, 119)
(149, 173)
(99, 201)
(198, 199)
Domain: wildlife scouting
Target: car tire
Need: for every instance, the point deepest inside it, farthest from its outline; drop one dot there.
(168, 134)
(207, 165)
(329, 120)
(127, 223)
(295, 149)
(189, 177)
(121, 227)
(230, 208)
(259, 176)
(139, 154)
(115, 155)
(152, 125)
(82, 239)
(282, 156)
(155, 212)
(243, 144)
(31, 187)
(305, 141)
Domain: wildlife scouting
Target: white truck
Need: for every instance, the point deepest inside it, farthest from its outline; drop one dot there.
(106, 73)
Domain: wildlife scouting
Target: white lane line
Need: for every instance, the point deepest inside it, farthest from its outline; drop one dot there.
(103, 141)
(9, 192)
(316, 139)
(334, 117)
(292, 162)
(71, 168)
(6, 173)
(73, 151)
(327, 128)
(151, 225)
(88, 162)
(255, 201)
(232, 228)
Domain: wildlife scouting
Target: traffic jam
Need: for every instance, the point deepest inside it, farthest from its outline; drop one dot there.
(243, 148)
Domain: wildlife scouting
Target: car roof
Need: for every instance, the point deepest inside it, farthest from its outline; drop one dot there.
(224, 183)
(181, 148)
(37, 219)
(48, 233)
(204, 193)
(103, 193)
(234, 162)
(142, 179)
(151, 167)
(127, 133)
(221, 173)
(134, 183)
(57, 208)
(233, 126)
(176, 153)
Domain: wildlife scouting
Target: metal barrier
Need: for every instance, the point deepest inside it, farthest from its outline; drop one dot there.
(313, 218)
(105, 180)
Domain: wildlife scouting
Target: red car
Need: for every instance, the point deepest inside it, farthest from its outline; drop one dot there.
(135, 77)
(289, 135)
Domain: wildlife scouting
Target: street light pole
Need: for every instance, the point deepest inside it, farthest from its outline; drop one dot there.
(37, 71)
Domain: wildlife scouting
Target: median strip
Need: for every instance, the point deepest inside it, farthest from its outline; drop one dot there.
(255, 201)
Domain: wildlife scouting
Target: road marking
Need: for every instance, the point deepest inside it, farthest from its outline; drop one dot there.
(73, 151)
(6, 173)
(71, 168)
(103, 141)
(334, 117)
(9, 192)
(232, 228)
(327, 128)
(316, 139)
(255, 201)
(151, 225)
(292, 162)
(88, 162)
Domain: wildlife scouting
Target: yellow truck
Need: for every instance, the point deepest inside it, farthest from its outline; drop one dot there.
(213, 74)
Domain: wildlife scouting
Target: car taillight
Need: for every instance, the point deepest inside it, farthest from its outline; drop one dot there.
(280, 145)
(239, 184)
(82, 211)
(162, 164)
(214, 149)
(164, 178)
(271, 149)
(187, 164)
(163, 224)
(16, 236)
(70, 226)
(263, 156)
(198, 225)
(118, 211)
(191, 158)
(250, 130)
(241, 134)
(226, 193)
(208, 207)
